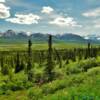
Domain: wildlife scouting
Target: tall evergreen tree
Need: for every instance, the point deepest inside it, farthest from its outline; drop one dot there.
(17, 67)
(58, 58)
(29, 63)
(2, 62)
(89, 50)
(49, 67)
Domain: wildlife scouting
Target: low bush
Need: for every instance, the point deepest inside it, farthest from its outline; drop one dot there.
(14, 86)
(35, 93)
(5, 69)
(83, 66)
(54, 86)
(87, 64)
(93, 71)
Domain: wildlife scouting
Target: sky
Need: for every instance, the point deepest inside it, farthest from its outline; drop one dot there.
(80, 17)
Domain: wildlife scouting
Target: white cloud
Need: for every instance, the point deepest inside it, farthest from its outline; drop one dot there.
(96, 23)
(92, 13)
(28, 33)
(98, 38)
(24, 19)
(86, 37)
(68, 21)
(2, 0)
(4, 11)
(97, 26)
(47, 10)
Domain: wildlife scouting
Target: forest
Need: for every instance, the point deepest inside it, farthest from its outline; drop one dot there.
(50, 74)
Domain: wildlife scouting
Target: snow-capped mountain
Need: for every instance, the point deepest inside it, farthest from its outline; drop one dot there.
(94, 37)
(12, 36)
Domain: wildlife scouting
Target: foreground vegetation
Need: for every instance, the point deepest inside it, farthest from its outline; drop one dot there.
(78, 84)
(50, 74)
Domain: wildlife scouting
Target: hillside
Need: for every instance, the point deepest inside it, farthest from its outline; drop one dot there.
(21, 37)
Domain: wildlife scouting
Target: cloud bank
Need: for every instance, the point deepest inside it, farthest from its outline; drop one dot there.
(68, 21)
(47, 10)
(4, 11)
(24, 19)
(2, 0)
(92, 13)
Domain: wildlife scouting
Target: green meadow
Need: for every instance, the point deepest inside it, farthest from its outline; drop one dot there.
(73, 78)
(42, 46)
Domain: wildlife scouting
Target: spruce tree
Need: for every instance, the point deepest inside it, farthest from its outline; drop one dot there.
(17, 67)
(2, 62)
(49, 68)
(29, 63)
(4, 66)
(89, 49)
(58, 58)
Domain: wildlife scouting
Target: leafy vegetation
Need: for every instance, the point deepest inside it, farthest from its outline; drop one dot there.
(50, 73)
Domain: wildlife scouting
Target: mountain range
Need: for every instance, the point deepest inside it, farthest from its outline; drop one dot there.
(11, 36)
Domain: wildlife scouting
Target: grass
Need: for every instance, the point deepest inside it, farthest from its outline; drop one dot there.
(44, 46)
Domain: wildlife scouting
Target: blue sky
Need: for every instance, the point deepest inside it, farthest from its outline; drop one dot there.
(51, 16)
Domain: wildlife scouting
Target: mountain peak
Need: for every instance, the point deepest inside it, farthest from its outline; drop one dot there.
(40, 37)
(9, 33)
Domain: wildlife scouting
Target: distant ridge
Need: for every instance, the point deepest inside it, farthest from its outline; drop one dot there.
(11, 36)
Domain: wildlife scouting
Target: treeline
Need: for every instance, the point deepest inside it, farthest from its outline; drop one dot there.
(16, 61)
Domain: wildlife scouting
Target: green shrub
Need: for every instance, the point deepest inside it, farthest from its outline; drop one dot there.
(85, 65)
(59, 95)
(73, 69)
(27, 84)
(82, 66)
(5, 69)
(54, 86)
(14, 86)
(8, 92)
(94, 71)
(35, 93)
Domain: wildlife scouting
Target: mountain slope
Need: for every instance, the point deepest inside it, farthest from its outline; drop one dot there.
(12, 37)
